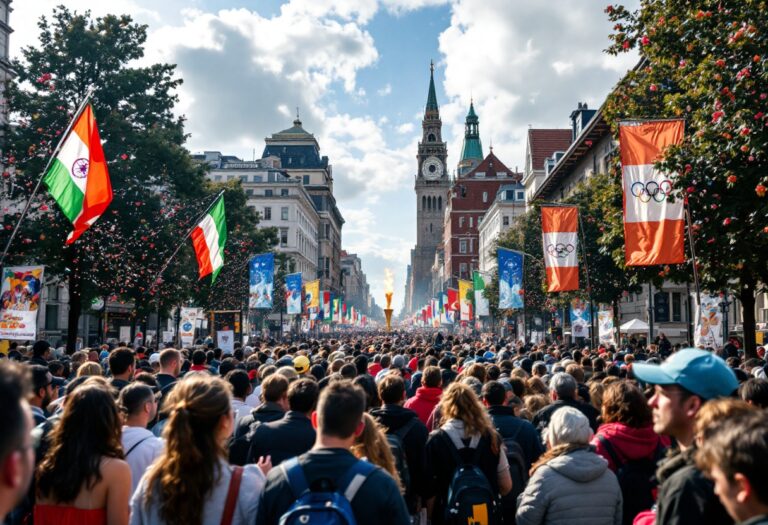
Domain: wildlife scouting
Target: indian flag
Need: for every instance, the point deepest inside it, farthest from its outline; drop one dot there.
(209, 238)
(78, 178)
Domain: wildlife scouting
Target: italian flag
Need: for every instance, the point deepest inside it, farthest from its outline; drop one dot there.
(209, 238)
(78, 178)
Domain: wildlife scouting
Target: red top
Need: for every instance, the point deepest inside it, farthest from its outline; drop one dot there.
(61, 515)
(424, 401)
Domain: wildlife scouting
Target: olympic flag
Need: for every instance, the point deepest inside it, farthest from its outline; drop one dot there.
(653, 225)
(560, 231)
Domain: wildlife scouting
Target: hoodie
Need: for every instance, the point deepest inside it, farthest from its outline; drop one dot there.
(573, 488)
(629, 443)
(425, 400)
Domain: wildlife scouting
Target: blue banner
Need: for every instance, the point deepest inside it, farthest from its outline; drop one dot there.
(510, 279)
(261, 285)
(293, 293)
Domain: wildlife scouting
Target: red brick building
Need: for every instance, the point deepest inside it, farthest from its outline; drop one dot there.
(471, 196)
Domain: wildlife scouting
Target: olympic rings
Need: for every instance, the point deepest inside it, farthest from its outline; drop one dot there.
(560, 250)
(651, 190)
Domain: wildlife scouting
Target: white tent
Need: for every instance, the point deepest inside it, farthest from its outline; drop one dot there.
(635, 326)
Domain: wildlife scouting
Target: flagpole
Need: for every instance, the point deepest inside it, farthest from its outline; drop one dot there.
(80, 109)
(589, 288)
(687, 209)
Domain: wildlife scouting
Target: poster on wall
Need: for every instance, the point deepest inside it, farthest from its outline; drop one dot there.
(709, 322)
(605, 327)
(225, 339)
(189, 318)
(125, 334)
(20, 301)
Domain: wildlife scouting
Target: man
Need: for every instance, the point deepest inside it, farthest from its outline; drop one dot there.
(385, 363)
(140, 446)
(42, 392)
(338, 420)
(428, 396)
(510, 426)
(563, 390)
(199, 362)
(122, 365)
(291, 435)
(734, 456)
(241, 387)
(17, 458)
(683, 383)
(301, 365)
(411, 431)
(170, 368)
(41, 353)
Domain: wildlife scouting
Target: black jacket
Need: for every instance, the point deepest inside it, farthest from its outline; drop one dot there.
(511, 426)
(393, 417)
(290, 436)
(542, 417)
(686, 497)
(241, 440)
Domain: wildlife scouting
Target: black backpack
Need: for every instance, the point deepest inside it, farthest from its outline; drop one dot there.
(518, 469)
(471, 499)
(636, 479)
(395, 441)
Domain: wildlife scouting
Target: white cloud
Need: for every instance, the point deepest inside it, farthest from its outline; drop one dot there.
(405, 128)
(386, 90)
(562, 67)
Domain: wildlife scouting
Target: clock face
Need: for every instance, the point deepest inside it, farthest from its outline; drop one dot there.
(432, 168)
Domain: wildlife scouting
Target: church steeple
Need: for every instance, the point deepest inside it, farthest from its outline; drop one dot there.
(431, 96)
(472, 150)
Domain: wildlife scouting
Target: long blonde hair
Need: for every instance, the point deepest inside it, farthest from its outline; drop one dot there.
(372, 445)
(460, 402)
(556, 451)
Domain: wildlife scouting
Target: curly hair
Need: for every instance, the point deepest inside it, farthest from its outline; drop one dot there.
(188, 467)
(624, 402)
(460, 402)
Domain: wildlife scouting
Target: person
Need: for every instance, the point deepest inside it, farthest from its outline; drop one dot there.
(274, 391)
(199, 362)
(372, 446)
(411, 435)
(563, 389)
(41, 353)
(42, 392)
(122, 365)
(570, 483)
(190, 482)
(682, 385)
(241, 387)
(466, 434)
(427, 396)
(291, 435)
(83, 478)
(17, 458)
(734, 456)
(338, 420)
(170, 368)
(140, 446)
(755, 392)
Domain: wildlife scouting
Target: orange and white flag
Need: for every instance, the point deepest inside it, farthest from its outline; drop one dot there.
(560, 234)
(653, 225)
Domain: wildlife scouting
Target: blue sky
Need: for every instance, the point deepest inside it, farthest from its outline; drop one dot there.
(359, 71)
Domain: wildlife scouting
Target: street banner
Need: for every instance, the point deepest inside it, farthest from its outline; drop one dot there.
(209, 238)
(709, 322)
(580, 318)
(653, 225)
(605, 325)
(312, 294)
(337, 310)
(465, 300)
(510, 279)
(560, 232)
(327, 307)
(20, 301)
(262, 281)
(453, 300)
(482, 308)
(293, 293)
(225, 339)
(188, 318)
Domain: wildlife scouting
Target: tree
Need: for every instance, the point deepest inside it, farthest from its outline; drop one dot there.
(706, 62)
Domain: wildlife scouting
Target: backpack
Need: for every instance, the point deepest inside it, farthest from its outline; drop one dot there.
(395, 440)
(470, 496)
(326, 508)
(636, 479)
(519, 471)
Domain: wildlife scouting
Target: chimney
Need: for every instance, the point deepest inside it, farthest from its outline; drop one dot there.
(579, 119)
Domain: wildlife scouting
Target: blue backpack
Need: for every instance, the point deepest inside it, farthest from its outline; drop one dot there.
(326, 508)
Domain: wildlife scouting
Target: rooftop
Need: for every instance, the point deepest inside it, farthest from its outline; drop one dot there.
(542, 143)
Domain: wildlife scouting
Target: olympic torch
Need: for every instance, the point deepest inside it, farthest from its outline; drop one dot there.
(388, 291)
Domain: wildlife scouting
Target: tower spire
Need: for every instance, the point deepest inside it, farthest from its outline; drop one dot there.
(431, 96)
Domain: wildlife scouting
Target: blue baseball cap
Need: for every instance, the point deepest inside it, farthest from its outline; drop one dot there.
(698, 371)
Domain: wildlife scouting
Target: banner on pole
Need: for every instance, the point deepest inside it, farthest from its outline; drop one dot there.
(560, 237)
(482, 308)
(465, 300)
(261, 286)
(606, 328)
(312, 294)
(20, 302)
(581, 319)
(293, 293)
(653, 225)
(187, 324)
(510, 279)
(709, 322)
(453, 300)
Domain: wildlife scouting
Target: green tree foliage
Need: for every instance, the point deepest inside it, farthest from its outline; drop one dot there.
(706, 62)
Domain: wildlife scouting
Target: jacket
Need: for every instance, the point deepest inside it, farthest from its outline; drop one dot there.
(542, 417)
(572, 489)
(522, 431)
(629, 443)
(290, 436)
(424, 401)
(686, 497)
(241, 440)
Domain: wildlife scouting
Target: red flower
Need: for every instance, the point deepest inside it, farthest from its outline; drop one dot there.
(745, 131)
(759, 115)
(653, 87)
(731, 179)
(609, 9)
(645, 40)
(720, 62)
(726, 221)
(124, 156)
(625, 44)
(688, 168)
(760, 190)
(717, 115)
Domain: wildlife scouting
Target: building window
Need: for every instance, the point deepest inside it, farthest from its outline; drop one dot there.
(284, 192)
(463, 270)
(284, 213)
(505, 220)
(431, 137)
(430, 227)
(249, 192)
(283, 236)
(470, 221)
(327, 231)
(463, 246)
(305, 179)
(267, 214)
(461, 222)
(423, 202)
(268, 193)
(479, 174)
(485, 196)
(327, 267)
(520, 195)
(509, 195)
(217, 178)
(501, 174)
(52, 316)
(677, 307)
(439, 203)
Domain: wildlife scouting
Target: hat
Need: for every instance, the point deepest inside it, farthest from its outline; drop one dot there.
(698, 371)
(301, 364)
(154, 359)
(489, 355)
(567, 426)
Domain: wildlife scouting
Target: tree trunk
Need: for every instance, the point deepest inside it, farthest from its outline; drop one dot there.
(747, 298)
(75, 300)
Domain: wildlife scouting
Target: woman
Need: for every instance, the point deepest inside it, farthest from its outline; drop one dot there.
(191, 481)
(90, 369)
(83, 479)
(372, 445)
(466, 431)
(570, 483)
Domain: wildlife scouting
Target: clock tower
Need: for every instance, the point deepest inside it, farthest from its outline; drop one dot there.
(432, 189)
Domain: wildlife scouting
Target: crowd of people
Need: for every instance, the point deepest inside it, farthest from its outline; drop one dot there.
(369, 428)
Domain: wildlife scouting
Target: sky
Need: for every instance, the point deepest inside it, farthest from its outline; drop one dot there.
(358, 70)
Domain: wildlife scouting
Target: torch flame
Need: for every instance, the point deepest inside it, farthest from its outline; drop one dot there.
(389, 286)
